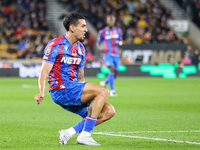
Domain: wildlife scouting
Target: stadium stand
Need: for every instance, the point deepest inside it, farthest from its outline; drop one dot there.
(192, 8)
(23, 29)
(141, 21)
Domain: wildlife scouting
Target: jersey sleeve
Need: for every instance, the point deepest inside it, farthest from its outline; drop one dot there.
(120, 34)
(81, 65)
(100, 36)
(50, 53)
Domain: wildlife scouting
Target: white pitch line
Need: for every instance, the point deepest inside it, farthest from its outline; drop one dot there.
(28, 86)
(156, 131)
(147, 138)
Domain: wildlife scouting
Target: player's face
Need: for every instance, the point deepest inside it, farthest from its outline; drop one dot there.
(110, 20)
(80, 30)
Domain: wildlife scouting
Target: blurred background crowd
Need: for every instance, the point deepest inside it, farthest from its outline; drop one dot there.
(142, 21)
(24, 30)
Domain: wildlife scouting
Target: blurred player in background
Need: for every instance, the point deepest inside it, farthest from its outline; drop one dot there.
(63, 61)
(111, 36)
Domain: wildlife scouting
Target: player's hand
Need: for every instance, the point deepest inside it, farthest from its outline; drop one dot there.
(39, 98)
(119, 43)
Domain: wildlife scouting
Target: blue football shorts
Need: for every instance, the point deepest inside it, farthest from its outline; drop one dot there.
(70, 98)
(110, 60)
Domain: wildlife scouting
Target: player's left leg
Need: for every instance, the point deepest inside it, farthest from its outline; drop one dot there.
(112, 80)
(106, 113)
(115, 72)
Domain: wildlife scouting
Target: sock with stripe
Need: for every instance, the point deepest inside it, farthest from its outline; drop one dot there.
(89, 125)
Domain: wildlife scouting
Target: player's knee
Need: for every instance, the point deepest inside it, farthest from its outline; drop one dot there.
(111, 112)
(112, 69)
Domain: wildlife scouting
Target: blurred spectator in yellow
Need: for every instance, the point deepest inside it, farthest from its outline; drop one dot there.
(141, 22)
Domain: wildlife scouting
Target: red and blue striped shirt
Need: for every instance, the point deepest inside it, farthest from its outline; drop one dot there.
(110, 39)
(66, 58)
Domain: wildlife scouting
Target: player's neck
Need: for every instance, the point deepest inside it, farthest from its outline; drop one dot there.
(71, 38)
(110, 28)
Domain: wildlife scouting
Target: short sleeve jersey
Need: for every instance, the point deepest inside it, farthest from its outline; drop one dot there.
(66, 58)
(109, 39)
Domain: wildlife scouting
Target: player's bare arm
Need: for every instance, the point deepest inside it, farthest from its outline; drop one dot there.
(46, 68)
(80, 74)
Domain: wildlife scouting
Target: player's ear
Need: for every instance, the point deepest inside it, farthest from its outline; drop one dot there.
(71, 28)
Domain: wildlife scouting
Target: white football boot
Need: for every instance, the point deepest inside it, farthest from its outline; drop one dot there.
(87, 140)
(102, 83)
(113, 93)
(64, 137)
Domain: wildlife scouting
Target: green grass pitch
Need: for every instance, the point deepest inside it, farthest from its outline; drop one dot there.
(151, 114)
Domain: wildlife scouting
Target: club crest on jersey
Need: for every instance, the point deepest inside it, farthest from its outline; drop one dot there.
(74, 52)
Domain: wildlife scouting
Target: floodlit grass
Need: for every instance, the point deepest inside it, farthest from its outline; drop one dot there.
(145, 108)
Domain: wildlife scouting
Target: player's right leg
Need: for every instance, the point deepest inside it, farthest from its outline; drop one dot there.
(106, 113)
(100, 94)
(108, 61)
(97, 95)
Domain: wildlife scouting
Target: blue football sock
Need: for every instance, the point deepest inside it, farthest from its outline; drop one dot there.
(89, 124)
(111, 81)
(79, 126)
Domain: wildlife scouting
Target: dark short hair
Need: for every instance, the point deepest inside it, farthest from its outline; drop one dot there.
(72, 18)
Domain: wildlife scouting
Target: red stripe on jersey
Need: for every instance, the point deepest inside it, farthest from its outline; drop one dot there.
(106, 42)
(112, 42)
(73, 66)
(55, 42)
(50, 79)
(57, 66)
